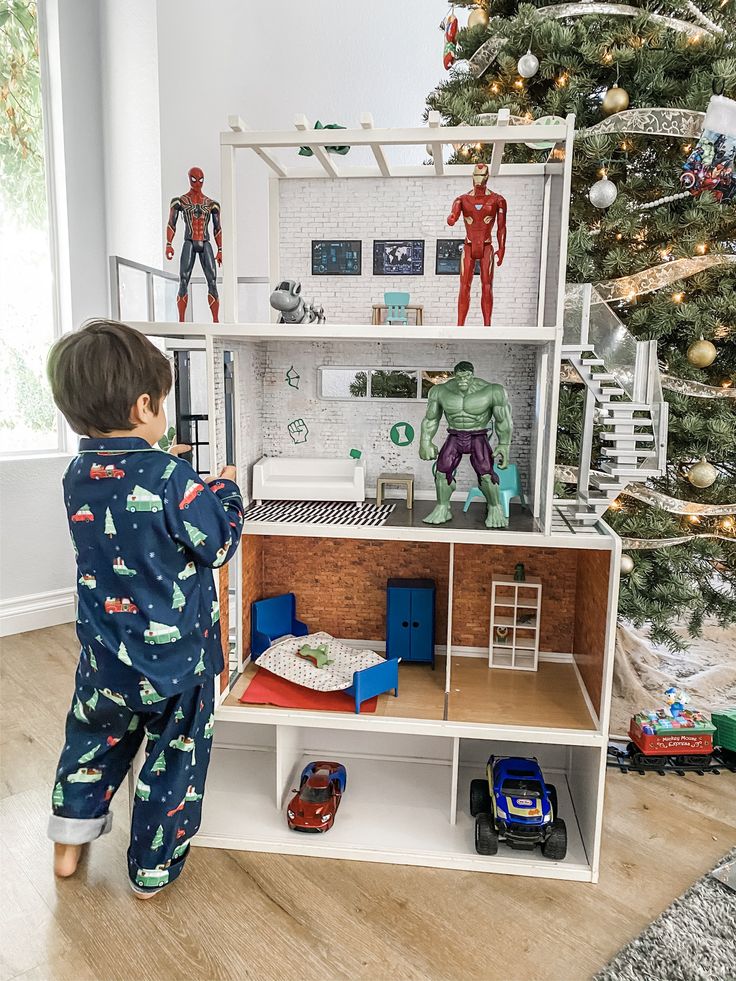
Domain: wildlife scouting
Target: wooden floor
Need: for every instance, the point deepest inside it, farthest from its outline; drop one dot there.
(549, 697)
(239, 915)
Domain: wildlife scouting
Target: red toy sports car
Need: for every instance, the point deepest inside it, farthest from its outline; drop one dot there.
(314, 805)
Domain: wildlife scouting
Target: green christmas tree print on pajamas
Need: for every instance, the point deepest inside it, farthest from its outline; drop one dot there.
(98, 751)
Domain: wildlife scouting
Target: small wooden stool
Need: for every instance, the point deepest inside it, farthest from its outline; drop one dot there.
(407, 479)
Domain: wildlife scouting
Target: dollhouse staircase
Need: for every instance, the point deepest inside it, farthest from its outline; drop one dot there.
(623, 399)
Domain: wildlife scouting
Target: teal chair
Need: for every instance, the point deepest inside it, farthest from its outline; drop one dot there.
(396, 303)
(509, 487)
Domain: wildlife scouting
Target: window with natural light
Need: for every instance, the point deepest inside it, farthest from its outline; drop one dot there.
(28, 419)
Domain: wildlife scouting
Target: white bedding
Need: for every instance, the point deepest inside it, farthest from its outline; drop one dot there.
(282, 659)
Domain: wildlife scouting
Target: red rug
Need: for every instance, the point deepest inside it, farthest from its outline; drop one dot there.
(269, 689)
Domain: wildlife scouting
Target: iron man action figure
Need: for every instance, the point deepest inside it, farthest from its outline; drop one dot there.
(481, 209)
(196, 209)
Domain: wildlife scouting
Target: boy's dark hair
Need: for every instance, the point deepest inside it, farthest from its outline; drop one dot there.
(98, 373)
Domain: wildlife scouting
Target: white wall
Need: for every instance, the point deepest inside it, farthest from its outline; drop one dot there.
(334, 61)
(132, 139)
(336, 426)
(408, 208)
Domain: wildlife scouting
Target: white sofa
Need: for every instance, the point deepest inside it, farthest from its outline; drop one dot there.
(311, 478)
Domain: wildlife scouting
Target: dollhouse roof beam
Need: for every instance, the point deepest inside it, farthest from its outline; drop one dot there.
(439, 163)
(237, 125)
(497, 154)
(415, 136)
(366, 121)
(302, 124)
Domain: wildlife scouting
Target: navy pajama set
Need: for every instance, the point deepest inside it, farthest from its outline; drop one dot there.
(147, 532)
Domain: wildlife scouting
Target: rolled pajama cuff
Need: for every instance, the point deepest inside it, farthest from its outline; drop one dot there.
(78, 831)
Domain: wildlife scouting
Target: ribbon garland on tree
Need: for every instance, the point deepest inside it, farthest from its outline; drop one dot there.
(663, 502)
(653, 543)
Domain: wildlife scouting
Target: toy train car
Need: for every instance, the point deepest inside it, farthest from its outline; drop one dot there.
(663, 744)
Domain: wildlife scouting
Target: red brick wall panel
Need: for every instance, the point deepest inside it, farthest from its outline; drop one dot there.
(475, 565)
(591, 619)
(340, 584)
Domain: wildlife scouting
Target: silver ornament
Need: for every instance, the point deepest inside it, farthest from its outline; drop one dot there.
(603, 193)
(703, 474)
(528, 65)
(627, 565)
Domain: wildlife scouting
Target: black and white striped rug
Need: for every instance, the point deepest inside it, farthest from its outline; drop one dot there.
(319, 512)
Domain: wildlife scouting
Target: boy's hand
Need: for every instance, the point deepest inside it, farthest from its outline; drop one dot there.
(229, 473)
(178, 448)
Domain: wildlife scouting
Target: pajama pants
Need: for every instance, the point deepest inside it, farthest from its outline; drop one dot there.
(104, 730)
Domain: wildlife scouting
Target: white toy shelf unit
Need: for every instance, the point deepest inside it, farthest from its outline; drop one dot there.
(309, 390)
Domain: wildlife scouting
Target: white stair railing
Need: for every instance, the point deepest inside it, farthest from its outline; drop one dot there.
(623, 396)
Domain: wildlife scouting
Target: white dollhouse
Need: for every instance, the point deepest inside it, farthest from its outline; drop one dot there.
(290, 391)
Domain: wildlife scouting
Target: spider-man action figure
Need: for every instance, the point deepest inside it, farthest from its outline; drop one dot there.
(480, 210)
(196, 209)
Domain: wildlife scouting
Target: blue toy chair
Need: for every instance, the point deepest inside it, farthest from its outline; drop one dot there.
(273, 618)
(396, 303)
(509, 487)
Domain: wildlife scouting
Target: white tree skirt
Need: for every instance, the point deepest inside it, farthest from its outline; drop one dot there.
(642, 672)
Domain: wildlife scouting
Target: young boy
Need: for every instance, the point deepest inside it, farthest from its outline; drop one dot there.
(147, 531)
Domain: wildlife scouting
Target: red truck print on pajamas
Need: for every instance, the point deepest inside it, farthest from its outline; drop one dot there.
(99, 472)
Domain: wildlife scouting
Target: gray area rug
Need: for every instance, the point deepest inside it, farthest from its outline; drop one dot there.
(693, 940)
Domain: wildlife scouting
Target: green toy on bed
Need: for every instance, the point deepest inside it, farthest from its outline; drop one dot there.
(317, 655)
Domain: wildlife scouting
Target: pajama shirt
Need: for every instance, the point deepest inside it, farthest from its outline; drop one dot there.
(147, 532)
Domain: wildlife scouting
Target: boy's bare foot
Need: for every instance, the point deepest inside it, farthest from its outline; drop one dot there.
(143, 895)
(66, 859)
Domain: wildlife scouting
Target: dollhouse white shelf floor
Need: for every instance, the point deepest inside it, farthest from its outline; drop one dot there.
(529, 334)
(340, 520)
(394, 810)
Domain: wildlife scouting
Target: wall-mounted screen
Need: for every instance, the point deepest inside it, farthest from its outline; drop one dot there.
(399, 257)
(447, 262)
(336, 258)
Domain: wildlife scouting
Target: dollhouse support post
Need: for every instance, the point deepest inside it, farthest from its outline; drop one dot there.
(229, 235)
(450, 593)
(499, 146)
(439, 163)
(366, 121)
(586, 447)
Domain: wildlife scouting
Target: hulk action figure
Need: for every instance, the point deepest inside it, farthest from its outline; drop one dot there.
(470, 405)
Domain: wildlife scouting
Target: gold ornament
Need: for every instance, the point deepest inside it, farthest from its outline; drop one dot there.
(703, 474)
(701, 353)
(627, 565)
(616, 99)
(479, 17)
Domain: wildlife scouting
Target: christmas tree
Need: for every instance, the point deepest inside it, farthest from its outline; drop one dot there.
(91, 702)
(79, 711)
(123, 654)
(196, 536)
(57, 798)
(179, 714)
(110, 528)
(559, 60)
(90, 755)
(159, 764)
(177, 599)
(199, 667)
(158, 838)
